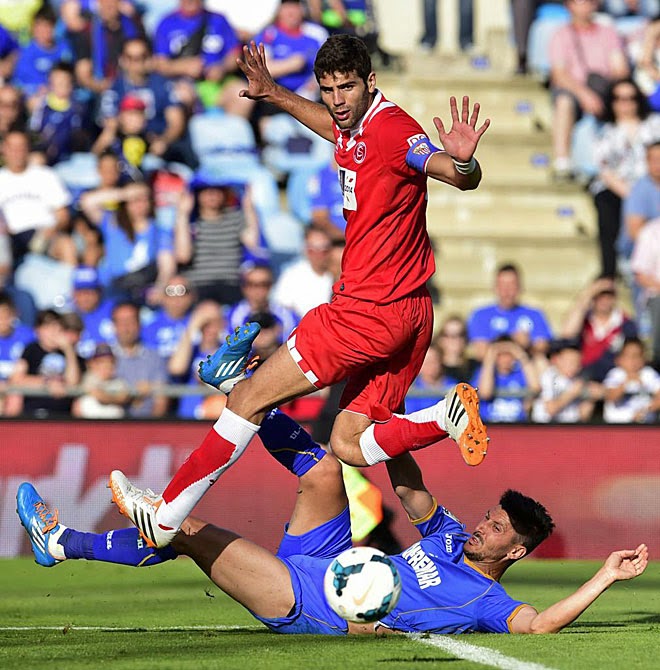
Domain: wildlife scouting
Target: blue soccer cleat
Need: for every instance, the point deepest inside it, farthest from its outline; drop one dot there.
(231, 362)
(40, 524)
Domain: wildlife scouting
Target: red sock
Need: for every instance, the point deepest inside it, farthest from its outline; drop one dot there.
(214, 452)
(384, 441)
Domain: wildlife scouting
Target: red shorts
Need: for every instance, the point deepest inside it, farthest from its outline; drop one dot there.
(379, 349)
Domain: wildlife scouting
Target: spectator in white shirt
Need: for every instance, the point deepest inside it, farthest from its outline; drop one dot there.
(632, 388)
(34, 204)
(307, 283)
(566, 395)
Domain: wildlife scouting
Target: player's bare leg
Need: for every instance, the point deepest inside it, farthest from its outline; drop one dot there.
(248, 573)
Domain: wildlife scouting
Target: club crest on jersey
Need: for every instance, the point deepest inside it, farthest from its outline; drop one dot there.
(360, 152)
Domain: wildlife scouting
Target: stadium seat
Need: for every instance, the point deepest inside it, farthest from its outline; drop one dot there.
(584, 136)
(291, 146)
(549, 17)
(297, 194)
(78, 173)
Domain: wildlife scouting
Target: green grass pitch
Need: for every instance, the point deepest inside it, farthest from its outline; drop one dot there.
(170, 616)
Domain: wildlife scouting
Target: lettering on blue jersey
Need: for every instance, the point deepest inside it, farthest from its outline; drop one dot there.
(424, 567)
(108, 540)
(449, 543)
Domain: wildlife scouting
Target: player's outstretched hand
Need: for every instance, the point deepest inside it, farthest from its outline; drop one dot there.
(627, 563)
(253, 66)
(462, 139)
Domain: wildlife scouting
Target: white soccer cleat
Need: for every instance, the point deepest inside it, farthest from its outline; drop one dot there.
(464, 425)
(140, 507)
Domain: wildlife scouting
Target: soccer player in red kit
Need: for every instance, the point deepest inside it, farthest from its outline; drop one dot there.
(378, 326)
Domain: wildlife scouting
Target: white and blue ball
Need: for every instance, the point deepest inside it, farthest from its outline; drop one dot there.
(362, 584)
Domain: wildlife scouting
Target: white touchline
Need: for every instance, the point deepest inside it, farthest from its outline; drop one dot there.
(128, 629)
(476, 654)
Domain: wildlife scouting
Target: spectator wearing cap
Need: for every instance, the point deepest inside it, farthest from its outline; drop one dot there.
(139, 366)
(307, 282)
(165, 115)
(256, 284)
(96, 42)
(34, 204)
(126, 136)
(170, 320)
(95, 312)
(598, 322)
(58, 120)
(203, 334)
(216, 224)
(199, 47)
(39, 55)
(49, 362)
(105, 395)
(566, 395)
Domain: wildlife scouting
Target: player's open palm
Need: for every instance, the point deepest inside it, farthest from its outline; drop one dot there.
(460, 142)
(253, 66)
(627, 563)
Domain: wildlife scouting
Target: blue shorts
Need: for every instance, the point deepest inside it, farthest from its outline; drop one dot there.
(307, 557)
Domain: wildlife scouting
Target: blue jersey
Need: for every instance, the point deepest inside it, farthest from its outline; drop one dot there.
(325, 193)
(11, 348)
(506, 409)
(157, 94)
(7, 42)
(441, 590)
(282, 44)
(490, 322)
(176, 29)
(164, 332)
(123, 255)
(98, 328)
(56, 125)
(35, 63)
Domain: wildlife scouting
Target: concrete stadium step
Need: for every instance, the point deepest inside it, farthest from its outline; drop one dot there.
(511, 215)
(471, 264)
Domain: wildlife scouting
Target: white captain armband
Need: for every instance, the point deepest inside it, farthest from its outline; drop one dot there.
(419, 153)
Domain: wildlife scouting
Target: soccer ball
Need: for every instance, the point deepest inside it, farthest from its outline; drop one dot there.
(362, 584)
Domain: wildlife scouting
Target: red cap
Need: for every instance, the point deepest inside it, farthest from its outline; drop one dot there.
(131, 103)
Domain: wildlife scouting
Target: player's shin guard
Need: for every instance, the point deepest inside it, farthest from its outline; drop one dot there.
(123, 547)
(221, 448)
(402, 433)
(289, 443)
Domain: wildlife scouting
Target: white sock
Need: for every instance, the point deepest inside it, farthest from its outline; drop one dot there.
(55, 549)
(371, 450)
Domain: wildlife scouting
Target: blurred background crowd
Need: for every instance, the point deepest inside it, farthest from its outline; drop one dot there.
(147, 209)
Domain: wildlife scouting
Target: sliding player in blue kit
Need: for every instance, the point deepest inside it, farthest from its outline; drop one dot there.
(450, 578)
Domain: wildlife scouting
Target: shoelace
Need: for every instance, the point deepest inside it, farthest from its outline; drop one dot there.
(48, 518)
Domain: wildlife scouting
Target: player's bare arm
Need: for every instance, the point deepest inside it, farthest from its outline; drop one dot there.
(406, 478)
(262, 86)
(455, 166)
(619, 566)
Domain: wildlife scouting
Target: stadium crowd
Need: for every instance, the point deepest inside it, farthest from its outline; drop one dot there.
(143, 215)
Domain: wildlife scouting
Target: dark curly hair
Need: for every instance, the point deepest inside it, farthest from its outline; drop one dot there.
(643, 107)
(528, 517)
(343, 54)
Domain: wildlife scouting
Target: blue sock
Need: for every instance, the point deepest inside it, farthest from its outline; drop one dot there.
(124, 547)
(289, 444)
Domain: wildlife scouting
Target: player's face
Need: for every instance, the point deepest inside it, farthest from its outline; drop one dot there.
(347, 97)
(493, 539)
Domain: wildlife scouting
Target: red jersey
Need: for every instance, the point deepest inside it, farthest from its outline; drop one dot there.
(388, 252)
